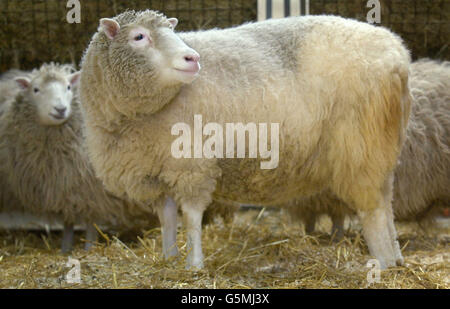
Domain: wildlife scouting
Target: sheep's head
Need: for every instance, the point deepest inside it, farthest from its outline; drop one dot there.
(50, 91)
(144, 43)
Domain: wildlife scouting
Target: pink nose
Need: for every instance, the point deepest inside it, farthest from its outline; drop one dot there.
(191, 58)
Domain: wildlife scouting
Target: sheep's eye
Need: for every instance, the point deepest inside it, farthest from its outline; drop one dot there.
(36, 90)
(139, 37)
(68, 87)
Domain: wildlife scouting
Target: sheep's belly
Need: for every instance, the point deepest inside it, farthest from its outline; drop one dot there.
(243, 181)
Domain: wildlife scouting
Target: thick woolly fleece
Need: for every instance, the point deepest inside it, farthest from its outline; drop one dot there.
(8, 91)
(337, 87)
(47, 167)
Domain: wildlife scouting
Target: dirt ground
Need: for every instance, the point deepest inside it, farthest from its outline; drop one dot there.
(259, 249)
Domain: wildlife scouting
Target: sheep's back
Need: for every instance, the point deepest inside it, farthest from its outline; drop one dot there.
(299, 73)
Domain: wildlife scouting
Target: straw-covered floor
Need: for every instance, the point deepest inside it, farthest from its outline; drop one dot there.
(259, 249)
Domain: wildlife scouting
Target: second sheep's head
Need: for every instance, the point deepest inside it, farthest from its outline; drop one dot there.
(50, 91)
(149, 46)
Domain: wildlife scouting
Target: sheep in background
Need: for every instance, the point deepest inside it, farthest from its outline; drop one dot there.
(11, 74)
(308, 209)
(8, 87)
(226, 211)
(338, 89)
(8, 91)
(8, 200)
(422, 177)
(43, 157)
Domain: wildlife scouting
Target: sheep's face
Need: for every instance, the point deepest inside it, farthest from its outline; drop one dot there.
(153, 50)
(51, 96)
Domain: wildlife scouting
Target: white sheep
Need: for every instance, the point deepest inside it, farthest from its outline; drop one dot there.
(8, 87)
(8, 91)
(337, 89)
(422, 178)
(44, 160)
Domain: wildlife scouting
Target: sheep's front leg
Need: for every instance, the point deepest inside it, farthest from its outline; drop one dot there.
(91, 236)
(167, 215)
(67, 239)
(193, 219)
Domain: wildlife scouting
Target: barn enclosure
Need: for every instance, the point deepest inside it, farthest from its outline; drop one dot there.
(36, 31)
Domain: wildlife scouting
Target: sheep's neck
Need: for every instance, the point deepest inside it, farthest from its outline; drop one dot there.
(141, 106)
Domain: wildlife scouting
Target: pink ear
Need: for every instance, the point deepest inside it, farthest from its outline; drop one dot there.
(75, 78)
(110, 27)
(23, 82)
(173, 21)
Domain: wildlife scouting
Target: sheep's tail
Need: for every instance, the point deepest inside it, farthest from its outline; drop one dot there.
(406, 102)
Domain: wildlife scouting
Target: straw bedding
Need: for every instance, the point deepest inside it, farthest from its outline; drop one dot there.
(258, 249)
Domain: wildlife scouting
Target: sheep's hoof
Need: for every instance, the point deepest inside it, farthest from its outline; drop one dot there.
(172, 252)
(337, 236)
(66, 248)
(88, 246)
(385, 264)
(399, 261)
(194, 265)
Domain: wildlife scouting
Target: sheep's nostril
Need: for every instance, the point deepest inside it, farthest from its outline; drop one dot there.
(61, 111)
(192, 58)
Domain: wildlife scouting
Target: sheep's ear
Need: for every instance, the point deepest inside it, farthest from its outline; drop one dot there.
(173, 21)
(23, 82)
(75, 78)
(110, 27)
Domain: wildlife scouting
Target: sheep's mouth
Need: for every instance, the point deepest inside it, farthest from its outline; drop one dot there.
(58, 117)
(189, 72)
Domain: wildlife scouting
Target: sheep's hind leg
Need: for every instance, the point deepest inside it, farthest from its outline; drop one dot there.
(91, 236)
(167, 215)
(388, 189)
(393, 233)
(376, 233)
(310, 222)
(338, 226)
(388, 192)
(67, 239)
(193, 220)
